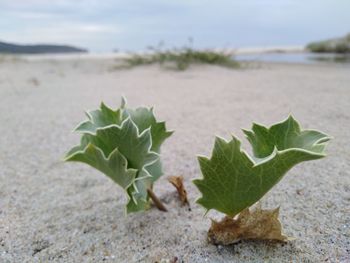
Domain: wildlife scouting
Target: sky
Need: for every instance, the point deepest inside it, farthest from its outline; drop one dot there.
(106, 25)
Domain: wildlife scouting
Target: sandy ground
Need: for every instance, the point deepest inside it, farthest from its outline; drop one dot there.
(67, 212)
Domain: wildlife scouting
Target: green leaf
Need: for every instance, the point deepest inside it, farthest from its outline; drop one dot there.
(97, 151)
(233, 180)
(114, 166)
(99, 118)
(144, 118)
(134, 146)
(113, 143)
(139, 196)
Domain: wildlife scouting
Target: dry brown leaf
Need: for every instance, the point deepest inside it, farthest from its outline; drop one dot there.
(257, 224)
(177, 182)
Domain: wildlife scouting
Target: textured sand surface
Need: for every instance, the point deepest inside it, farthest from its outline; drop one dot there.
(67, 212)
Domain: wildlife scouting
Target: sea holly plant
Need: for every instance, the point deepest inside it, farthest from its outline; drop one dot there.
(124, 144)
(233, 180)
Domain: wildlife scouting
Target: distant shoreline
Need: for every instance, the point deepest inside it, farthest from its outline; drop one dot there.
(282, 55)
(277, 49)
(24, 49)
(122, 55)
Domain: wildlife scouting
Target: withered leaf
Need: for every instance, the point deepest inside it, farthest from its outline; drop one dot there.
(177, 182)
(257, 224)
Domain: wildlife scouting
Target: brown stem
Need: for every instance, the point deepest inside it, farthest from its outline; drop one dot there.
(156, 201)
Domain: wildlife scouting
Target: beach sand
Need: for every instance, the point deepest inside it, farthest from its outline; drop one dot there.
(52, 211)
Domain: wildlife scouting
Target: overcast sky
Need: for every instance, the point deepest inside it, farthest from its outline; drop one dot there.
(104, 25)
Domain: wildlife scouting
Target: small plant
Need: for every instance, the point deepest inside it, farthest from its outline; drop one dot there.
(124, 144)
(319, 47)
(233, 180)
(337, 45)
(182, 58)
(342, 48)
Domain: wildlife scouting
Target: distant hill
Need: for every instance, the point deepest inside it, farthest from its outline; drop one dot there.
(9, 48)
(336, 45)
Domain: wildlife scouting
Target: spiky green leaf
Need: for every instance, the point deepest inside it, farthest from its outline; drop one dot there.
(233, 180)
(119, 143)
(144, 118)
(100, 118)
(114, 166)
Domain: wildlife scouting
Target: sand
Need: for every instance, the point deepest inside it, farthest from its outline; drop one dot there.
(67, 212)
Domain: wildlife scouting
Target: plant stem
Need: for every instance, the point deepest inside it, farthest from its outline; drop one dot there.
(156, 201)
